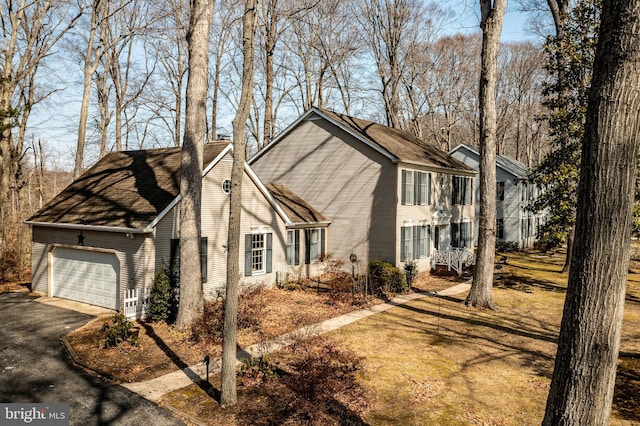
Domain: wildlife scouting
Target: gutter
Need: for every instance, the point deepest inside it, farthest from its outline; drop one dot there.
(89, 227)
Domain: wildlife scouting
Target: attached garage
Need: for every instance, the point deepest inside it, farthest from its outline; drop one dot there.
(86, 276)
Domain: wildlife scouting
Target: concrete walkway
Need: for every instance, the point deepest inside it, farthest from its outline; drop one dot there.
(154, 389)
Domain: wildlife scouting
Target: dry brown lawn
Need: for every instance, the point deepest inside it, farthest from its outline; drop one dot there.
(432, 361)
(435, 361)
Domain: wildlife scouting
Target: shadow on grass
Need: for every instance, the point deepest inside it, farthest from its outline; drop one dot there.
(207, 387)
(511, 281)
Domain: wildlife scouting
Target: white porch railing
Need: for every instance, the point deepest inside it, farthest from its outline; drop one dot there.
(454, 258)
(136, 303)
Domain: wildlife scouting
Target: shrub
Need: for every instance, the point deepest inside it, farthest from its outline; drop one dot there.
(163, 304)
(257, 371)
(117, 331)
(410, 271)
(208, 328)
(324, 383)
(385, 278)
(507, 246)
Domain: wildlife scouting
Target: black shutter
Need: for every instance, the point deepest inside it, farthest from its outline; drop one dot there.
(203, 258)
(429, 190)
(323, 242)
(403, 252)
(296, 247)
(454, 194)
(404, 183)
(248, 259)
(455, 235)
(417, 179)
(174, 256)
(269, 252)
(307, 246)
(416, 242)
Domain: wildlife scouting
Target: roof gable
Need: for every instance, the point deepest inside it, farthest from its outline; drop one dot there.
(395, 144)
(125, 189)
(297, 210)
(508, 164)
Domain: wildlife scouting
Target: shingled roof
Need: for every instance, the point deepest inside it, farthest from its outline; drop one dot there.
(126, 189)
(399, 143)
(298, 210)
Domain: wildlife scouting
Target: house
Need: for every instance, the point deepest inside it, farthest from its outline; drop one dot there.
(514, 222)
(390, 195)
(103, 237)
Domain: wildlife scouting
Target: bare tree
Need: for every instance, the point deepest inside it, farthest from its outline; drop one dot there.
(191, 293)
(30, 31)
(92, 56)
(168, 43)
(584, 375)
(223, 26)
(393, 27)
(492, 16)
(228, 390)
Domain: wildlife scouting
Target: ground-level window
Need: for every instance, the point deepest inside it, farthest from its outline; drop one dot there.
(414, 242)
(293, 247)
(315, 244)
(500, 229)
(174, 257)
(461, 234)
(258, 253)
(527, 230)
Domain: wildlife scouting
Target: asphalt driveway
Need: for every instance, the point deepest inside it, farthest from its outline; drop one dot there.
(35, 367)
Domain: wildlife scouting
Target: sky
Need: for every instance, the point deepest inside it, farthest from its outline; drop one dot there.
(58, 130)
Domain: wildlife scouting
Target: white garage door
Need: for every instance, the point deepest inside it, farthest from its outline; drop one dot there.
(85, 276)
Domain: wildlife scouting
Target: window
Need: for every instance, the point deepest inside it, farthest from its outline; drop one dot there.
(174, 257)
(462, 187)
(526, 228)
(293, 247)
(226, 186)
(423, 232)
(315, 244)
(414, 242)
(500, 191)
(406, 241)
(500, 229)
(257, 253)
(461, 234)
(423, 188)
(407, 188)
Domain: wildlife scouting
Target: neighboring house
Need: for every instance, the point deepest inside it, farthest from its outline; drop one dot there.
(110, 230)
(514, 223)
(390, 195)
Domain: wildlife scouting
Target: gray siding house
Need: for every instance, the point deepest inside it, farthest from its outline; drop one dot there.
(515, 224)
(101, 240)
(390, 195)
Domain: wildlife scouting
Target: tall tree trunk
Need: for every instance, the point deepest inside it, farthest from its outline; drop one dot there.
(584, 375)
(492, 17)
(191, 294)
(567, 259)
(99, 10)
(228, 390)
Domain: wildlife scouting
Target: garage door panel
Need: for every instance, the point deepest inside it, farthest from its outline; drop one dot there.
(85, 276)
